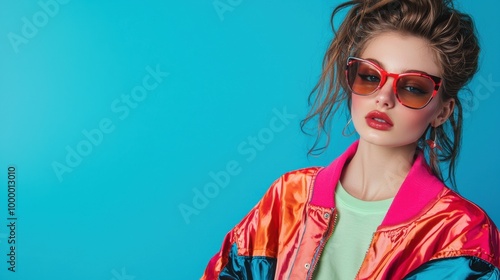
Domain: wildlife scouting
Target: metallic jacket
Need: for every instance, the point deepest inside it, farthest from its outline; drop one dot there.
(429, 231)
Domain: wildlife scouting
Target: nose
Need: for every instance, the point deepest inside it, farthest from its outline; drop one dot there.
(385, 96)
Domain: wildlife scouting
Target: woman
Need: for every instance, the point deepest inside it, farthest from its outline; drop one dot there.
(380, 210)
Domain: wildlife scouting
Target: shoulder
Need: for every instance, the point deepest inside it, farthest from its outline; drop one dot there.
(297, 178)
(303, 173)
(462, 208)
(293, 186)
(461, 215)
(466, 226)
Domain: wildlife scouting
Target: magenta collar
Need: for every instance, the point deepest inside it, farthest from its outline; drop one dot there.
(419, 188)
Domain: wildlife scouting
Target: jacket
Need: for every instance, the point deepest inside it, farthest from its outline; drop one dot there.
(429, 231)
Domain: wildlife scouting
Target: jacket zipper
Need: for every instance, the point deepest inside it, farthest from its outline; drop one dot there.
(366, 254)
(330, 232)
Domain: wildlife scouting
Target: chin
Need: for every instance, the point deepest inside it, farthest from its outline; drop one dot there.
(387, 141)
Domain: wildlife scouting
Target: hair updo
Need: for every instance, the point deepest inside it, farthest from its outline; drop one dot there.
(450, 33)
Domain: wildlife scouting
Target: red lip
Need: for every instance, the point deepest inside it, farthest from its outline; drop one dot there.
(378, 120)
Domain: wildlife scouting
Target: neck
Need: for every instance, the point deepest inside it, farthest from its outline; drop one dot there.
(376, 172)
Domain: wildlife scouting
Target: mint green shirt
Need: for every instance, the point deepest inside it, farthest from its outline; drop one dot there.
(356, 222)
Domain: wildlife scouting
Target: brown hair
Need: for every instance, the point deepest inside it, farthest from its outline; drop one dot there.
(450, 33)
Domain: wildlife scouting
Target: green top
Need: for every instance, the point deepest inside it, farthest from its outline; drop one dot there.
(356, 222)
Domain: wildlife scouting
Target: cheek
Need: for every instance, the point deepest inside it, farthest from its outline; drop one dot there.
(359, 108)
(355, 105)
(418, 120)
(357, 102)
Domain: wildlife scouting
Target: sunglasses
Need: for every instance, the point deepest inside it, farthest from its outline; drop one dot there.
(412, 89)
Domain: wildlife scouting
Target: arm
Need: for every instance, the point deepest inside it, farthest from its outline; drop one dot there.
(249, 249)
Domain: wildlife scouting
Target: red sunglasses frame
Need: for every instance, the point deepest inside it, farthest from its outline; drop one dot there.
(384, 74)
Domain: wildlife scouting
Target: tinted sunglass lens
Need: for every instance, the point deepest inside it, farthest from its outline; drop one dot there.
(362, 77)
(414, 91)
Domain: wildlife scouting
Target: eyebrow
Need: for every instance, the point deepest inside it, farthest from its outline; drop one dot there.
(381, 65)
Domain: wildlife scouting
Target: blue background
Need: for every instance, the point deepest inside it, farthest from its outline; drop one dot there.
(117, 214)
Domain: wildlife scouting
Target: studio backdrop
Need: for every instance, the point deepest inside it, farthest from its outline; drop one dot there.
(135, 134)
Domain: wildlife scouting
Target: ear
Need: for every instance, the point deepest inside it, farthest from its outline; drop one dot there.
(444, 112)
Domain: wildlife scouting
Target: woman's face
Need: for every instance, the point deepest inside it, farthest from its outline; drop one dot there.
(379, 118)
